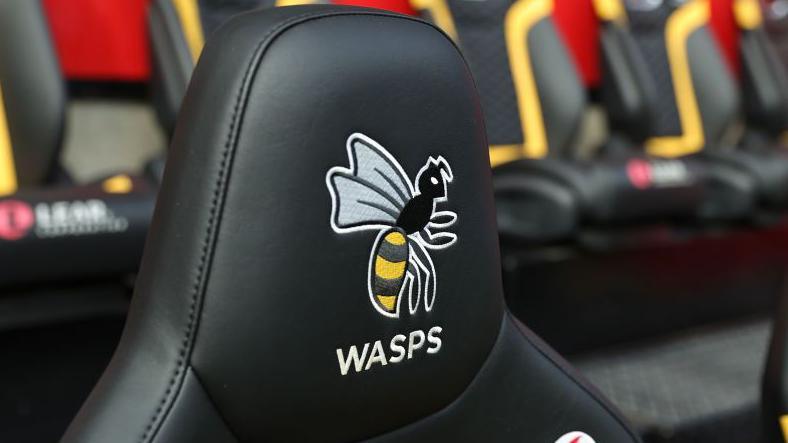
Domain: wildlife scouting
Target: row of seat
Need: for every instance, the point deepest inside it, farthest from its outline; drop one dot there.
(203, 391)
(672, 154)
(44, 216)
(545, 187)
(310, 139)
(670, 101)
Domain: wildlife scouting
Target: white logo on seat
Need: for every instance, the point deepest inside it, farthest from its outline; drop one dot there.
(575, 437)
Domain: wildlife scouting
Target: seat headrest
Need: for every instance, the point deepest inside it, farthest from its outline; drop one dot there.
(324, 246)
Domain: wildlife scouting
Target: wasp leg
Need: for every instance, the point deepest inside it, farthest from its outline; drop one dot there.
(424, 262)
(414, 286)
(437, 240)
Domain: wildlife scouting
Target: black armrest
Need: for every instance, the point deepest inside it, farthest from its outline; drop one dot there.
(767, 167)
(534, 208)
(74, 233)
(622, 189)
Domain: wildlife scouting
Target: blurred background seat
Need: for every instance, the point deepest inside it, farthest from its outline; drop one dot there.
(548, 185)
(663, 295)
(177, 30)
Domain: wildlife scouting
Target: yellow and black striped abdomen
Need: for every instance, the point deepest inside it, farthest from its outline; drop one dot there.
(389, 268)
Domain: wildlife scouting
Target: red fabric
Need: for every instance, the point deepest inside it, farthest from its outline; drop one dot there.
(100, 39)
(726, 32)
(401, 6)
(107, 39)
(579, 27)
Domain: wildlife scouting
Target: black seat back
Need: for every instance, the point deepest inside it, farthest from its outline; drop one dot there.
(763, 78)
(323, 262)
(32, 97)
(698, 102)
(627, 88)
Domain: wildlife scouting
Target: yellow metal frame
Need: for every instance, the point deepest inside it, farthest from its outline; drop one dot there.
(610, 10)
(747, 14)
(189, 15)
(8, 180)
(440, 13)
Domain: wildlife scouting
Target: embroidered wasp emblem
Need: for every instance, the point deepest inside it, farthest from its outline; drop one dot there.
(375, 193)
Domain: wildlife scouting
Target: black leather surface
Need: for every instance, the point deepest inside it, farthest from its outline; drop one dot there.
(32, 90)
(775, 379)
(246, 292)
(171, 61)
(73, 233)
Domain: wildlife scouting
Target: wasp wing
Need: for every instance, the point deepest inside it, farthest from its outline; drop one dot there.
(372, 192)
(371, 162)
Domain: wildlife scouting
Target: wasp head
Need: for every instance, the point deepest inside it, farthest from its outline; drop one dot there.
(434, 177)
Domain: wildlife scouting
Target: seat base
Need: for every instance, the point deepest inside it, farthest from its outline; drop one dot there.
(699, 386)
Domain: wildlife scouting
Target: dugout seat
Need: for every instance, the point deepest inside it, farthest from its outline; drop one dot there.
(32, 99)
(177, 30)
(254, 316)
(699, 384)
(44, 216)
(701, 105)
(534, 104)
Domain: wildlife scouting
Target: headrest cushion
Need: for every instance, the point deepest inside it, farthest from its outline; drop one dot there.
(324, 248)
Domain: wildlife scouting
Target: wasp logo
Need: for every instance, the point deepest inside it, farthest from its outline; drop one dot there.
(374, 193)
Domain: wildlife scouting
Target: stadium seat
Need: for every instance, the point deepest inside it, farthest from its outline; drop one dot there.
(267, 306)
(534, 103)
(44, 216)
(700, 104)
(177, 30)
(33, 100)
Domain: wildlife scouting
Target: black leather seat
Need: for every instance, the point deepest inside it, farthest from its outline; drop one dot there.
(44, 216)
(534, 104)
(292, 208)
(177, 30)
(700, 106)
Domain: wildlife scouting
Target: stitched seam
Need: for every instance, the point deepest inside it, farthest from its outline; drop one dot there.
(198, 288)
(176, 382)
(213, 403)
(580, 383)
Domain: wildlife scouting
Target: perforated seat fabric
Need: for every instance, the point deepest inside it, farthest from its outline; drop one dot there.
(701, 385)
(295, 203)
